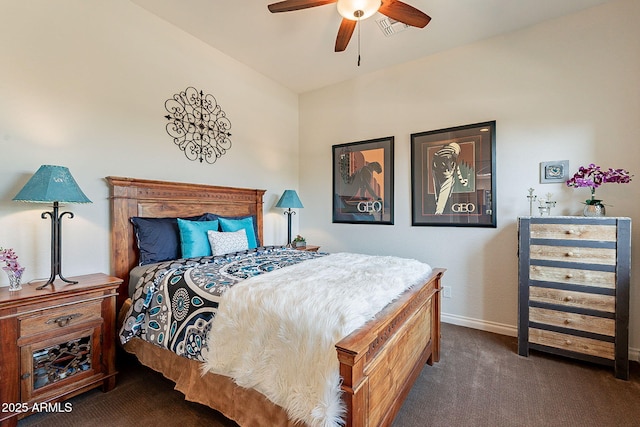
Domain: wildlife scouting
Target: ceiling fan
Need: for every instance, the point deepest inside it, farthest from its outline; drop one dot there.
(353, 11)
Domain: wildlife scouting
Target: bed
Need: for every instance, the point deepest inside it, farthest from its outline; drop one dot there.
(378, 362)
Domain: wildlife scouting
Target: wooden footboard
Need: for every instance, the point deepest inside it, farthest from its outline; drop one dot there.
(380, 362)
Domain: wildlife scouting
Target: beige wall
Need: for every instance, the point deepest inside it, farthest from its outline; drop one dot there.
(83, 85)
(565, 89)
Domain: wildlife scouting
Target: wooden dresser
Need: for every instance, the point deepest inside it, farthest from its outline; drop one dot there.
(55, 343)
(574, 276)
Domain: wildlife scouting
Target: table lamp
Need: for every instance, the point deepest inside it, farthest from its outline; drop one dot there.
(289, 200)
(53, 184)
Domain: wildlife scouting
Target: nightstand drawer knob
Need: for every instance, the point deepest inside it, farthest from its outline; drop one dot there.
(568, 342)
(571, 231)
(568, 298)
(567, 321)
(569, 253)
(63, 321)
(569, 276)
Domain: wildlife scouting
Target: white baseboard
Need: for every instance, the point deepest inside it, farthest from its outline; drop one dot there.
(502, 329)
(483, 325)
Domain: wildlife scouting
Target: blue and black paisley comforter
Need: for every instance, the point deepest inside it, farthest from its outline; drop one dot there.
(175, 302)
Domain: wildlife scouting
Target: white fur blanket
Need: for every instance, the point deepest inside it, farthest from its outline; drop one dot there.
(277, 332)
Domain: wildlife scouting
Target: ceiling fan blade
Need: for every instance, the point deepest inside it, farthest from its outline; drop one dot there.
(344, 34)
(402, 12)
(290, 5)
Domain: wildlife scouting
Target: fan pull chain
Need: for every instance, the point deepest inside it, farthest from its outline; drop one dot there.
(358, 42)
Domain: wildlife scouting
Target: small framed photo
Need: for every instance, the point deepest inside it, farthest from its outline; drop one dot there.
(453, 176)
(363, 182)
(556, 171)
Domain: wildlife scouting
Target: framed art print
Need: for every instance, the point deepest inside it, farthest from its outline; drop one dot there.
(363, 182)
(453, 176)
(557, 171)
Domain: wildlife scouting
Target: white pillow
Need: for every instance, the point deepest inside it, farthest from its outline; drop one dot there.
(227, 242)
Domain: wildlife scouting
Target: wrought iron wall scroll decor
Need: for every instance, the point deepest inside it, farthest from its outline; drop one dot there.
(198, 125)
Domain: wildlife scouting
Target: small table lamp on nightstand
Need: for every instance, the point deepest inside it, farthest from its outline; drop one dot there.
(53, 184)
(289, 200)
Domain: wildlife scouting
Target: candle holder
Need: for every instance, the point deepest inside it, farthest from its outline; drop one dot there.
(546, 205)
(532, 198)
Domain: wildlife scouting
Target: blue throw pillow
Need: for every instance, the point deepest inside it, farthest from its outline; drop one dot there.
(235, 224)
(194, 241)
(158, 238)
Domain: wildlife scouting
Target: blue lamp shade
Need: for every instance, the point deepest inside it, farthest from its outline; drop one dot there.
(289, 199)
(52, 184)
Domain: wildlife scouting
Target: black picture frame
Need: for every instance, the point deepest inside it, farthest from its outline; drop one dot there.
(363, 182)
(453, 174)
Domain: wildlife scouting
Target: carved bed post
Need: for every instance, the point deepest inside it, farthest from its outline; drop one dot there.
(435, 326)
(123, 207)
(354, 387)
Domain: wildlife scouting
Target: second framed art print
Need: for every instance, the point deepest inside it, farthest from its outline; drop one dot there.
(363, 182)
(453, 176)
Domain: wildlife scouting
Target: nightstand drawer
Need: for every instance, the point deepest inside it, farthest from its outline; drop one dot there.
(579, 322)
(572, 343)
(583, 255)
(61, 317)
(602, 233)
(606, 303)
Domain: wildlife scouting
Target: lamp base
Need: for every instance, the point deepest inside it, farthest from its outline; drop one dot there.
(53, 279)
(56, 241)
(289, 213)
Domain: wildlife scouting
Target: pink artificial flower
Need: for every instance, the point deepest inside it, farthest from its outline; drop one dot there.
(11, 261)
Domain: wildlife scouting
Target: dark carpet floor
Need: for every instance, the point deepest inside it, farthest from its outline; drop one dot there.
(480, 381)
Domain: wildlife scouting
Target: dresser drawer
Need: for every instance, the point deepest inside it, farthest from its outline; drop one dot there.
(600, 279)
(60, 317)
(602, 256)
(603, 233)
(572, 343)
(579, 322)
(606, 303)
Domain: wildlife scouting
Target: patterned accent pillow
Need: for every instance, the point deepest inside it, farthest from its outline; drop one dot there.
(227, 242)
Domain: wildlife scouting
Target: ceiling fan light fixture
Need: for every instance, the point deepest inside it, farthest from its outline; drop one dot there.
(358, 9)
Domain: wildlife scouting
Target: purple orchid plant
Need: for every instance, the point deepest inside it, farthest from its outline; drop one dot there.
(594, 176)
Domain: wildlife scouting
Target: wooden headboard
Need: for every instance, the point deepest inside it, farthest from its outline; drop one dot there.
(131, 197)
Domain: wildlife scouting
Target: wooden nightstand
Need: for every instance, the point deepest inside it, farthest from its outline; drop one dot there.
(308, 248)
(55, 343)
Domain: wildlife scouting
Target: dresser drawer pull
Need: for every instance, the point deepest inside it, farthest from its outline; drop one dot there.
(568, 342)
(570, 231)
(567, 321)
(569, 254)
(569, 276)
(63, 321)
(568, 298)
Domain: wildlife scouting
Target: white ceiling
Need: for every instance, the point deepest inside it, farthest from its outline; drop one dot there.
(296, 48)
